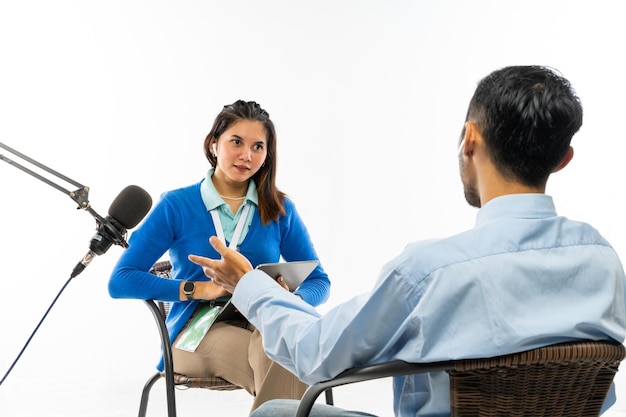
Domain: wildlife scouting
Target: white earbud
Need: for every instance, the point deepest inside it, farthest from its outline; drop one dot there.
(215, 149)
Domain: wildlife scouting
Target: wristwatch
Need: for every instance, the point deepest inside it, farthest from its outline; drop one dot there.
(188, 288)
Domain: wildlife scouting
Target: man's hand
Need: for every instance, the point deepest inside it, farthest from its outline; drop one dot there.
(226, 271)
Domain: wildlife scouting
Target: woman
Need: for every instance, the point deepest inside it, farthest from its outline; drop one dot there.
(239, 202)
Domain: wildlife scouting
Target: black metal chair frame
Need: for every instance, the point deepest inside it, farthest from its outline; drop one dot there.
(168, 370)
(459, 368)
(159, 312)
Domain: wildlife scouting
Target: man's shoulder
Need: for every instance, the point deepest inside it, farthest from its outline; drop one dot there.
(500, 240)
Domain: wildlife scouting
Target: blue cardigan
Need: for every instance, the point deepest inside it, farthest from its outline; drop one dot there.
(180, 224)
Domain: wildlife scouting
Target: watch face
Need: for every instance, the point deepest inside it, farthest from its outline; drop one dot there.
(189, 287)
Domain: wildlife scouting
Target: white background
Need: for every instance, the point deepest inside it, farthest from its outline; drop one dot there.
(368, 98)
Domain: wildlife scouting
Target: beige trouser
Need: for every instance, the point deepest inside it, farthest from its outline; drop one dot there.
(235, 353)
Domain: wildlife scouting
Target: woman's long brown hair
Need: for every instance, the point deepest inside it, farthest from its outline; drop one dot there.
(270, 198)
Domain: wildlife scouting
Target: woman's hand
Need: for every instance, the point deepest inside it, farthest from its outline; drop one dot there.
(205, 290)
(282, 282)
(208, 290)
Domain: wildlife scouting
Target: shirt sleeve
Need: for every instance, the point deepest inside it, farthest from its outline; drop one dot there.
(315, 347)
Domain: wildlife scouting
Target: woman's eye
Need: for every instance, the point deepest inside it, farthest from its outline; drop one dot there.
(258, 147)
(236, 141)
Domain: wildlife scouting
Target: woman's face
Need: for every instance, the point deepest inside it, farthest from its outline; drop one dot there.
(241, 151)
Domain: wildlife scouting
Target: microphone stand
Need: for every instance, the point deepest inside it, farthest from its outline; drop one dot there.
(80, 196)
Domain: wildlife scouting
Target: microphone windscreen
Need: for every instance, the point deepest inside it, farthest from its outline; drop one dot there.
(130, 206)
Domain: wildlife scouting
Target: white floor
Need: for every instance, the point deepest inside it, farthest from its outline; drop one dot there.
(103, 398)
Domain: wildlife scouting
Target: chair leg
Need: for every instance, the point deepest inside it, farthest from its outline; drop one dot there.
(168, 366)
(170, 393)
(145, 394)
(329, 396)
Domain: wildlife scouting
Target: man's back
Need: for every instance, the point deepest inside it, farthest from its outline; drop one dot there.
(522, 278)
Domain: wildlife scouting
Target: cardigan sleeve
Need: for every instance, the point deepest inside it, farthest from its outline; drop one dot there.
(296, 245)
(130, 277)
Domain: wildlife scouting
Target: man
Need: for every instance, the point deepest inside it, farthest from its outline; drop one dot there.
(522, 278)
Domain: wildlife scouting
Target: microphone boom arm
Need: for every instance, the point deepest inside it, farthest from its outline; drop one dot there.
(109, 230)
(80, 195)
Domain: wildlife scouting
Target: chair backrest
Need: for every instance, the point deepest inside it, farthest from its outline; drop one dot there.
(163, 269)
(568, 379)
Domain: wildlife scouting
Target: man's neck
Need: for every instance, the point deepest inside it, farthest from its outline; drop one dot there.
(504, 187)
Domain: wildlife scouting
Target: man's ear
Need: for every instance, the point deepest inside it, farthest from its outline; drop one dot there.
(472, 138)
(566, 159)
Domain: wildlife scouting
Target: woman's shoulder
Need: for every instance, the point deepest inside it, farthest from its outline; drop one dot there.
(289, 205)
(182, 197)
(182, 191)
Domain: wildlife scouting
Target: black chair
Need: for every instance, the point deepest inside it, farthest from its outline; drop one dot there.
(567, 379)
(173, 380)
(160, 310)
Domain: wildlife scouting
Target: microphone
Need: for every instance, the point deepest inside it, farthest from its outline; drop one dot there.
(126, 211)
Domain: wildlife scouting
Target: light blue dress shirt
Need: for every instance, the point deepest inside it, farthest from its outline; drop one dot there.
(523, 277)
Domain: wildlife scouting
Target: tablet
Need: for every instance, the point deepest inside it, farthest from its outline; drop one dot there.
(292, 272)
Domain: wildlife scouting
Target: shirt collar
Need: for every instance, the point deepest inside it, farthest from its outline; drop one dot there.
(521, 206)
(212, 199)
